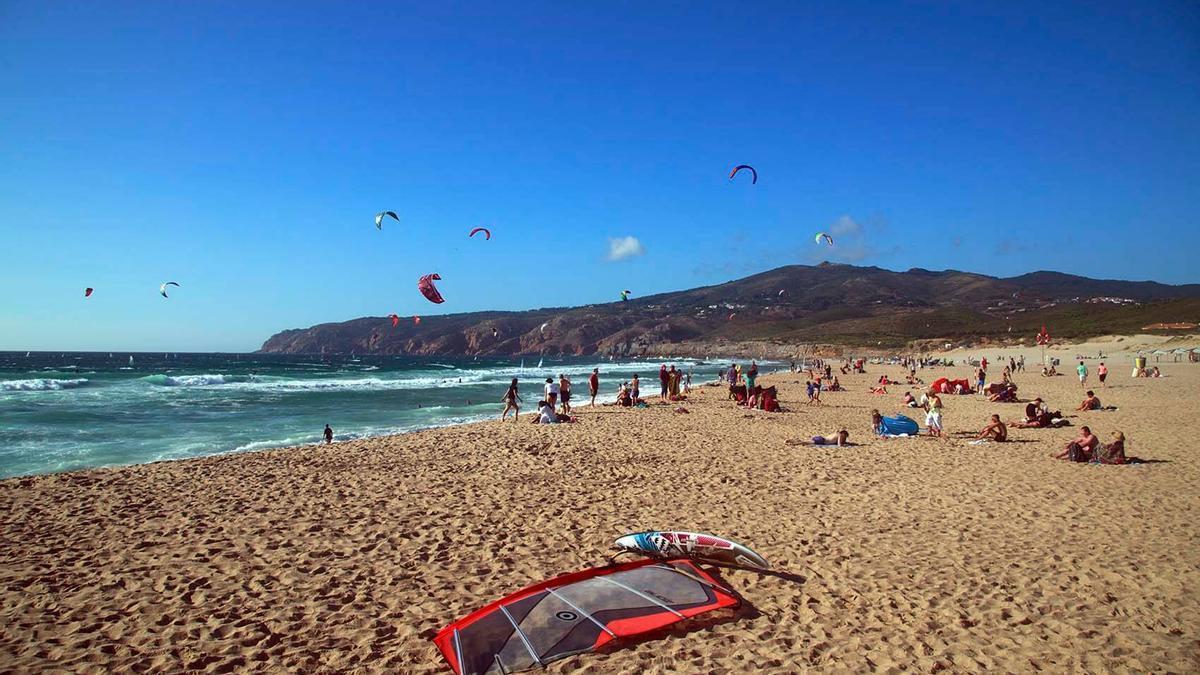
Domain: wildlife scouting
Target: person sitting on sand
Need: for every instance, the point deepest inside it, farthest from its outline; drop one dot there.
(1090, 402)
(835, 385)
(994, 431)
(909, 400)
(511, 401)
(328, 435)
(1156, 372)
(1080, 449)
(623, 397)
(546, 414)
(1114, 452)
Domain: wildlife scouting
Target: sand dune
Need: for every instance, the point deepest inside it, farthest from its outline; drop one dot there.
(910, 554)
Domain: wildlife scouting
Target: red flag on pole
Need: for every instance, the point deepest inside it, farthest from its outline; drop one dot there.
(1043, 338)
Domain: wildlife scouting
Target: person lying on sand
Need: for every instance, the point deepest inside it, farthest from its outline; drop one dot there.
(1090, 402)
(840, 439)
(994, 431)
(1005, 394)
(1080, 449)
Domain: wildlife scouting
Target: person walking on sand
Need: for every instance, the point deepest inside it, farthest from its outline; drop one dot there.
(564, 393)
(511, 401)
(980, 378)
(328, 435)
(594, 385)
(1102, 374)
(1083, 373)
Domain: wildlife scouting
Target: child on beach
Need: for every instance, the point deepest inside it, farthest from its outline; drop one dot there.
(328, 435)
(510, 400)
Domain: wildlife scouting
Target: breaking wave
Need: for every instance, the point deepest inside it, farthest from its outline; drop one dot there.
(42, 384)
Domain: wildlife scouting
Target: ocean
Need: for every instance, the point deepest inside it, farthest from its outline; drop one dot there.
(64, 411)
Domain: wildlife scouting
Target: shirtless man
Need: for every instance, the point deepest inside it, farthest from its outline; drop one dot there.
(1086, 440)
(1092, 402)
(594, 384)
(994, 431)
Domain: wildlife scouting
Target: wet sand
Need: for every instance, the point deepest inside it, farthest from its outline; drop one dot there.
(913, 554)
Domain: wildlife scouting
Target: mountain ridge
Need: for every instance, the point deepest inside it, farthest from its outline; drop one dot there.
(829, 303)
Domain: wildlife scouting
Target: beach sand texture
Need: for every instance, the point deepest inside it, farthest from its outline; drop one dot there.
(904, 553)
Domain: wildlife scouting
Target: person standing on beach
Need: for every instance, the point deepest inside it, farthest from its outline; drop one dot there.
(981, 378)
(328, 435)
(551, 391)
(751, 376)
(635, 386)
(933, 413)
(1083, 373)
(662, 381)
(594, 384)
(1102, 373)
(564, 389)
(511, 401)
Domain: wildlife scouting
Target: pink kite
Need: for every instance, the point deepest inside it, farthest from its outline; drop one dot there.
(395, 320)
(487, 234)
(425, 285)
(87, 292)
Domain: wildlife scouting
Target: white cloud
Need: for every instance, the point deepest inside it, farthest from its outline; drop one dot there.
(620, 248)
(845, 227)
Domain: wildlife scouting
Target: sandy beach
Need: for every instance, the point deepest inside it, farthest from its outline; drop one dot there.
(915, 554)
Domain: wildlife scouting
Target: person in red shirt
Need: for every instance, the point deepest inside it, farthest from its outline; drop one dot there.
(594, 384)
(1102, 372)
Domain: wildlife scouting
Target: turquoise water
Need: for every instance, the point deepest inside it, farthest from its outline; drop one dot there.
(64, 411)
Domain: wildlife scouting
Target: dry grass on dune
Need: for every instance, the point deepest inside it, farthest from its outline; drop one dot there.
(896, 554)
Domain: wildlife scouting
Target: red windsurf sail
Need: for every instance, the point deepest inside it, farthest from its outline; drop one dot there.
(577, 613)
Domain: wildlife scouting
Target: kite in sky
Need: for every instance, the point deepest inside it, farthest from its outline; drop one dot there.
(379, 218)
(739, 167)
(487, 234)
(425, 285)
(162, 288)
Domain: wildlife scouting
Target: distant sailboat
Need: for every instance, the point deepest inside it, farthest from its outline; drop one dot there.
(110, 355)
(131, 359)
(522, 364)
(26, 354)
(539, 362)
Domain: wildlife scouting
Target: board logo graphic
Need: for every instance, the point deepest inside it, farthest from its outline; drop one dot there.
(566, 616)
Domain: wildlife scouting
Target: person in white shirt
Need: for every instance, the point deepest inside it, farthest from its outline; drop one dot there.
(551, 391)
(547, 414)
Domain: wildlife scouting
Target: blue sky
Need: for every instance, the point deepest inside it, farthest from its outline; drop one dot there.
(243, 148)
